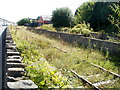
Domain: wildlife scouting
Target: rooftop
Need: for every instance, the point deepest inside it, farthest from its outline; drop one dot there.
(46, 17)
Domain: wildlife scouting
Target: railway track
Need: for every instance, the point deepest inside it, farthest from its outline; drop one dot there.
(80, 81)
(93, 80)
(98, 77)
(98, 85)
(102, 78)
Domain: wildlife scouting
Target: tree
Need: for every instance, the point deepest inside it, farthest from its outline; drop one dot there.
(115, 17)
(84, 12)
(99, 20)
(62, 17)
(23, 21)
(98, 14)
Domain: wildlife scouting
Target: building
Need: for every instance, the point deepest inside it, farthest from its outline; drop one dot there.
(46, 19)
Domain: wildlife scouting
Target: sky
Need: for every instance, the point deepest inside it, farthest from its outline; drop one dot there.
(14, 10)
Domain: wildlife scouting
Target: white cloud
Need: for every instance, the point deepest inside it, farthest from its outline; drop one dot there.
(15, 10)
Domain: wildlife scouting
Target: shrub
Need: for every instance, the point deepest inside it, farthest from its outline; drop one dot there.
(24, 21)
(81, 29)
(62, 17)
(48, 27)
(64, 29)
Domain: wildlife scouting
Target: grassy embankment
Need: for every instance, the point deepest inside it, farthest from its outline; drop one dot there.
(40, 53)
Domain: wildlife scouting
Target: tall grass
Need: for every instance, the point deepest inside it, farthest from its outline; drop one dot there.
(58, 54)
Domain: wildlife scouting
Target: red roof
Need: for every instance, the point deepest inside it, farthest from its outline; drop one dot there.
(44, 19)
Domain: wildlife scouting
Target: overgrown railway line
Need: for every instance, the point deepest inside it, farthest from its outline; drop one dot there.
(97, 85)
(92, 79)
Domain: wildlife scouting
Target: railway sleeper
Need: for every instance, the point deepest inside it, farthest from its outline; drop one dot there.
(91, 76)
(15, 72)
(14, 57)
(12, 53)
(8, 34)
(102, 83)
(13, 79)
(15, 65)
(85, 80)
(11, 44)
(14, 60)
(22, 84)
(10, 47)
(11, 50)
(9, 41)
(8, 37)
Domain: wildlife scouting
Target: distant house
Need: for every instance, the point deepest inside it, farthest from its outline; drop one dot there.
(44, 20)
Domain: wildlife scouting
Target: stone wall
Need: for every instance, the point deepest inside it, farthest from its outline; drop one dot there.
(112, 47)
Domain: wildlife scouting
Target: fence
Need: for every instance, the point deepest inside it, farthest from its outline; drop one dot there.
(2, 56)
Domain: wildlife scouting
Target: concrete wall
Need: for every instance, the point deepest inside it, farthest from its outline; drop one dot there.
(2, 56)
(112, 47)
(0, 59)
(104, 36)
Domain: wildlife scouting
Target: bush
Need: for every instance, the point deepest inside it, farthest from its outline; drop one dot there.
(81, 29)
(65, 29)
(83, 25)
(24, 21)
(48, 27)
(62, 17)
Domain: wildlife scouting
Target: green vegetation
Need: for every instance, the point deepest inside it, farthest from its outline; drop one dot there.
(84, 12)
(62, 17)
(81, 29)
(49, 61)
(23, 22)
(101, 15)
(47, 27)
(38, 69)
(115, 17)
(78, 29)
